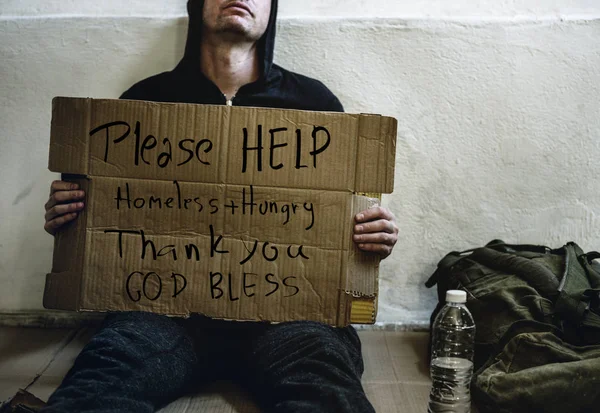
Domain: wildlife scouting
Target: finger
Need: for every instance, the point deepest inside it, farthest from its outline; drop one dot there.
(376, 238)
(374, 213)
(53, 225)
(381, 249)
(62, 209)
(61, 197)
(62, 186)
(381, 225)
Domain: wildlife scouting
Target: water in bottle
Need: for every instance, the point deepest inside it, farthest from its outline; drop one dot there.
(453, 335)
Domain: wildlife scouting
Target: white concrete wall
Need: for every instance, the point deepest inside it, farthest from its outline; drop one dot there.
(317, 8)
(498, 105)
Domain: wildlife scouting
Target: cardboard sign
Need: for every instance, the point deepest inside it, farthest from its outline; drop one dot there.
(232, 212)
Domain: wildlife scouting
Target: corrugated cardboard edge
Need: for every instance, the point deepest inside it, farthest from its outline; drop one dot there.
(64, 284)
(363, 311)
(69, 150)
(360, 276)
(362, 272)
(376, 154)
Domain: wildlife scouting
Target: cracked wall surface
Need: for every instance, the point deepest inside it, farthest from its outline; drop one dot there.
(498, 110)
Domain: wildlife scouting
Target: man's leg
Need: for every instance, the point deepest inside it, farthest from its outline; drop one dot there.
(306, 367)
(135, 363)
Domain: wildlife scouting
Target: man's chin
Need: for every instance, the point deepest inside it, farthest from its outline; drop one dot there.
(234, 22)
(236, 28)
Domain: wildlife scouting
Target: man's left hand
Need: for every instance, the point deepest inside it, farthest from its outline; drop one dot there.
(376, 231)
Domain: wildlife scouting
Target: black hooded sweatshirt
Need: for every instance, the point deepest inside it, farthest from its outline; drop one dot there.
(276, 87)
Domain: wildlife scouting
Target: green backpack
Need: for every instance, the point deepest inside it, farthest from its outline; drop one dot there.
(537, 317)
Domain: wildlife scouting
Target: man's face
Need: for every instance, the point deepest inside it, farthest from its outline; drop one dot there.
(246, 18)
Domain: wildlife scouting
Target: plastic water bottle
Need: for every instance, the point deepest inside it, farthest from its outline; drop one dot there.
(453, 337)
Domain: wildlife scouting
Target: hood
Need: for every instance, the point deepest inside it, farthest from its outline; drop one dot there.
(266, 43)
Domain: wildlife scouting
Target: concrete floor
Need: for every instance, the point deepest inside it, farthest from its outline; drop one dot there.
(395, 380)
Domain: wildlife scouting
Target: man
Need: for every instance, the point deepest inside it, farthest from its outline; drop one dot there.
(138, 362)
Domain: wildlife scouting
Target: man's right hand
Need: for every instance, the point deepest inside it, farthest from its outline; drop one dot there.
(63, 205)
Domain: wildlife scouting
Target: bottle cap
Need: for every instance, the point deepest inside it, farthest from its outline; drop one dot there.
(456, 296)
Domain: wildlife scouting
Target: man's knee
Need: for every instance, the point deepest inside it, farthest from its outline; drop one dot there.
(140, 347)
(135, 361)
(312, 340)
(324, 361)
(142, 334)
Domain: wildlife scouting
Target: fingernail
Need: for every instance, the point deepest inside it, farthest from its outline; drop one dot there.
(360, 217)
(357, 238)
(361, 245)
(80, 205)
(359, 228)
(80, 193)
(74, 186)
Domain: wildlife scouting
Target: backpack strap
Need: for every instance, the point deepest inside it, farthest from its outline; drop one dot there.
(577, 294)
(501, 246)
(538, 275)
(541, 276)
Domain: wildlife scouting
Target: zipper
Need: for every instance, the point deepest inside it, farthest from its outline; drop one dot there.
(228, 102)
